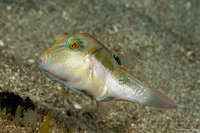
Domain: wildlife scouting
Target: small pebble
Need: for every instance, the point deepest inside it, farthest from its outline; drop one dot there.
(9, 8)
(31, 61)
(143, 24)
(127, 5)
(1, 43)
(59, 87)
(115, 28)
(190, 54)
(188, 5)
(77, 106)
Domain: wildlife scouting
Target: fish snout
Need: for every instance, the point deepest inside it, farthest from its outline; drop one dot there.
(39, 60)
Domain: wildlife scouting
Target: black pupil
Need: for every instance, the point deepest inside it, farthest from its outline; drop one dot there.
(117, 59)
(74, 45)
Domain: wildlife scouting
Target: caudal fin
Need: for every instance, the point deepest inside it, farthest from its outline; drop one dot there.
(157, 99)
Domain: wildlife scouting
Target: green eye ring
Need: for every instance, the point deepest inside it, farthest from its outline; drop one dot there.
(74, 44)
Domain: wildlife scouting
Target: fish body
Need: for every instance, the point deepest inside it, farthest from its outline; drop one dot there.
(86, 66)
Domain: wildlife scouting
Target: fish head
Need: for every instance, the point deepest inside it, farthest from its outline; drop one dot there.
(70, 56)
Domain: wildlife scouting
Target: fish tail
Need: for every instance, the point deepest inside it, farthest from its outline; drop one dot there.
(157, 99)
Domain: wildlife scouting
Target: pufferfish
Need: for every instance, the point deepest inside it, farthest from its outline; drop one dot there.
(86, 66)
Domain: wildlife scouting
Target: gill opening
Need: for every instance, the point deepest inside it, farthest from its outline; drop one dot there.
(92, 62)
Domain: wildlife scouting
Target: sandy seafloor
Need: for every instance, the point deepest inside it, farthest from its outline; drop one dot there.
(158, 42)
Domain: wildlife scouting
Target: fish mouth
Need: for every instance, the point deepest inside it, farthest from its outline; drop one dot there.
(40, 63)
(39, 60)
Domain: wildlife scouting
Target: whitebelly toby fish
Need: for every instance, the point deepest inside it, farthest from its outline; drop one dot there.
(87, 67)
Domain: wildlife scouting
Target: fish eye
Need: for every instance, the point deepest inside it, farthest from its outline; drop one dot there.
(117, 59)
(74, 44)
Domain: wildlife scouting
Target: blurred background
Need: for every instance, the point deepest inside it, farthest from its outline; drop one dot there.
(158, 41)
